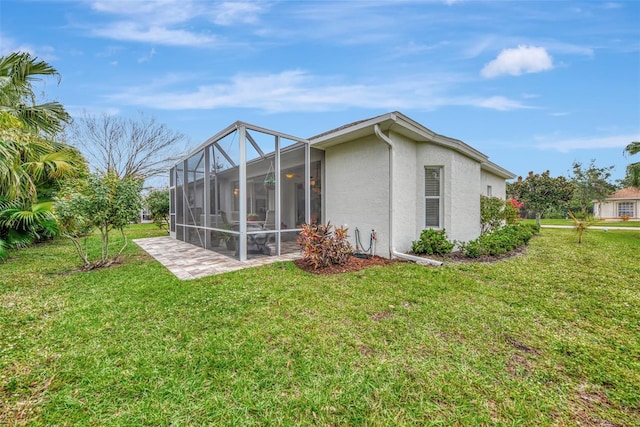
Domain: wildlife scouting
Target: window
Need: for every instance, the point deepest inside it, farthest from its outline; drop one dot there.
(433, 196)
(625, 209)
(489, 191)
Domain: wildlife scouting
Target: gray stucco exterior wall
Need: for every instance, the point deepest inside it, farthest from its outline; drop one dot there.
(357, 190)
(461, 213)
(498, 184)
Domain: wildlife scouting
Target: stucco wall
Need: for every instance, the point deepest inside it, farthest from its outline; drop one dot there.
(408, 193)
(461, 216)
(498, 184)
(357, 194)
(357, 190)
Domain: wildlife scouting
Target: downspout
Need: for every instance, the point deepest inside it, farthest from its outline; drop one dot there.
(392, 249)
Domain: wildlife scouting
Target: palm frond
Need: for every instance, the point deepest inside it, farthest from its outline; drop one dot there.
(3, 250)
(633, 173)
(633, 148)
(17, 72)
(19, 239)
(26, 217)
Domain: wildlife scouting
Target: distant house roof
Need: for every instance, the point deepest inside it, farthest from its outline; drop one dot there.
(625, 193)
(399, 123)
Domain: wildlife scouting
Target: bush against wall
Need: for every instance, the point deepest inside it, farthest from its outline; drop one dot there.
(432, 242)
(495, 212)
(321, 246)
(500, 241)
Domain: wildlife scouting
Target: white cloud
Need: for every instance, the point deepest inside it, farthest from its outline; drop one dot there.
(229, 13)
(590, 143)
(523, 59)
(478, 47)
(167, 12)
(148, 56)
(164, 21)
(159, 35)
(499, 103)
(162, 12)
(8, 45)
(569, 48)
(412, 48)
(297, 90)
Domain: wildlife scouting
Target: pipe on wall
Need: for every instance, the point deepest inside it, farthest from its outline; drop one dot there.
(392, 251)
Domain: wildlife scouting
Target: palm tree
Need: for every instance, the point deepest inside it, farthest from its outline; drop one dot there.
(31, 164)
(17, 73)
(31, 169)
(633, 170)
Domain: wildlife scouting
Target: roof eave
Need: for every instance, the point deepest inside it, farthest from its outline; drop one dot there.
(399, 123)
(497, 170)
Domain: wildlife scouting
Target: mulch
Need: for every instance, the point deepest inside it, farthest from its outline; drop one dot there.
(352, 264)
(356, 263)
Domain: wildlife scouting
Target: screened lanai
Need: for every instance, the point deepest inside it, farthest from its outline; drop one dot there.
(246, 192)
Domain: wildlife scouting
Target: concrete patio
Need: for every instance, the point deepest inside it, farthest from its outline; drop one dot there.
(187, 261)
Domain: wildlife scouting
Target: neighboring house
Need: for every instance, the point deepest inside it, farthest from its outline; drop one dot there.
(388, 173)
(622, 203)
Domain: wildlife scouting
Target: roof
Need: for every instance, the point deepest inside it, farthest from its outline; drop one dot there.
(625, 193)
(401, 124)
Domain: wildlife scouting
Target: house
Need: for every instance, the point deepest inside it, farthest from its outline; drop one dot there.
(623, 203)
(387, 175)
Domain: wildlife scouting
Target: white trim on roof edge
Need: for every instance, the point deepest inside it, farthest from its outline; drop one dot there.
(399, 123)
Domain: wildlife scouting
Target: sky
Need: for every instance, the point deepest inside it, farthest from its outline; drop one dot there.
(534, 85)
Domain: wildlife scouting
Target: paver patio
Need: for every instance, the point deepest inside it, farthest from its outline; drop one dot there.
(187, 261)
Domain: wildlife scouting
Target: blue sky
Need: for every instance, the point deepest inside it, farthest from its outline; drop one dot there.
(533, 85)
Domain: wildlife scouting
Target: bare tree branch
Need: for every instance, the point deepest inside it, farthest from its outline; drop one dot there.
(130, 147)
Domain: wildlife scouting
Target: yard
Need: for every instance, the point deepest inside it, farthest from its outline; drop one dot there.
(550, 337)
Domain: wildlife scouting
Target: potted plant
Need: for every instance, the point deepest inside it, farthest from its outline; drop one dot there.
(270, 182)
(270, 179)
(214, 239)
(253, 217)
(227, 238)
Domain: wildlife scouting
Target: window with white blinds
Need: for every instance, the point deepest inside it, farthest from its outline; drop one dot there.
(433, 196)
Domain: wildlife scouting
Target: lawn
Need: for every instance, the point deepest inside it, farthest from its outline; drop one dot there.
(596, 223)
(550, 337)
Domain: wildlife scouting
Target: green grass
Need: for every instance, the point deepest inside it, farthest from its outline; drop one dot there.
(596, 223)
(551, 337)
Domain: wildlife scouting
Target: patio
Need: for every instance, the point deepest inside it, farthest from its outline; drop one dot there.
(187, 261)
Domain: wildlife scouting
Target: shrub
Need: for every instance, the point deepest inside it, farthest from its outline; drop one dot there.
(103, 202)
(512, 211)
(491, 215)
(500, 241)
(494, 212)
(432, 242)
(322, 247)
(158, 203)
